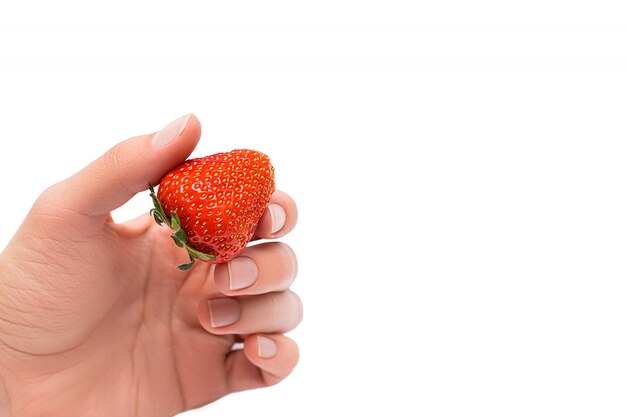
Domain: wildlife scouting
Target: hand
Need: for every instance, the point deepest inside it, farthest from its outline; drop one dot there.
(96, 320)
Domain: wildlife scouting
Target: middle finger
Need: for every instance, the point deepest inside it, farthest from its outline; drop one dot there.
(259, 269)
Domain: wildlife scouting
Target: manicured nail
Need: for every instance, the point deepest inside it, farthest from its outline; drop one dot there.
(170, 132)
(278, 215)
(267, 347)
(242, 272)
(223, 311)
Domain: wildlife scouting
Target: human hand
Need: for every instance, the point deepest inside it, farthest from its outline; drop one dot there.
(95, 319)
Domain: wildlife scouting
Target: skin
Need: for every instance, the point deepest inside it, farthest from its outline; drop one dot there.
(96, 320)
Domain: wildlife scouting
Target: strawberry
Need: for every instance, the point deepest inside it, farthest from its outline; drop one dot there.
(213, 204)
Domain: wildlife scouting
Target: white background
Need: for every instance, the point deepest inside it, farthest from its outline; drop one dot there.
(459, 168)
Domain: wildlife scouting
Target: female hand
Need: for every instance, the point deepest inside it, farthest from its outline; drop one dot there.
(96, 320)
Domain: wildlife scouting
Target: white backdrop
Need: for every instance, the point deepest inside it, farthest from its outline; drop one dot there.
(459, 169)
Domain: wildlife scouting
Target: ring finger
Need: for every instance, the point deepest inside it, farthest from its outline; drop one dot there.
(276, 312)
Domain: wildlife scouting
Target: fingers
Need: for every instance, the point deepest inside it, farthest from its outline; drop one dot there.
(258, 269)
(267, 313)
(255, 304)
(262, 268)
(126, 169)
(279, 218)
(265, 360)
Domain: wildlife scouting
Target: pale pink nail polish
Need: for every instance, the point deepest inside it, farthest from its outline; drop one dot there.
(278, 215)
(223, 311)
(170, 132)
(267, 347)
(242, 273)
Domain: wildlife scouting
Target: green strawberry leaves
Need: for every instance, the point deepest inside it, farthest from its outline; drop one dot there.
(178, 235)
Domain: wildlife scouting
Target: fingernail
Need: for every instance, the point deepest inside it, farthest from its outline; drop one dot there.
(267, 347)
(278, 215)
(170, 132)
(242, 272)
(223, 311)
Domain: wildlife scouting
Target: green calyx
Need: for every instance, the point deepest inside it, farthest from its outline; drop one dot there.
(179, 236)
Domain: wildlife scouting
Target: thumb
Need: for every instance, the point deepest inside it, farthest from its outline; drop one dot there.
(123, 171)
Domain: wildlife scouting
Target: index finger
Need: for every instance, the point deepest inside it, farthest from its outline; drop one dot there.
(279, 218)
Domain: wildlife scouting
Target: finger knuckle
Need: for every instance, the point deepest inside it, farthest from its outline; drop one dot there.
(112, 158)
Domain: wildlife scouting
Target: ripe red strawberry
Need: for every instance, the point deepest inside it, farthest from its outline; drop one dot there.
(214, 203)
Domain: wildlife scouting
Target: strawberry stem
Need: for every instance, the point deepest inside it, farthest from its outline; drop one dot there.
(178, 235)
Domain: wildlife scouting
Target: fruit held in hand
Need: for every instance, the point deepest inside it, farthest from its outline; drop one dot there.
(213, 204)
